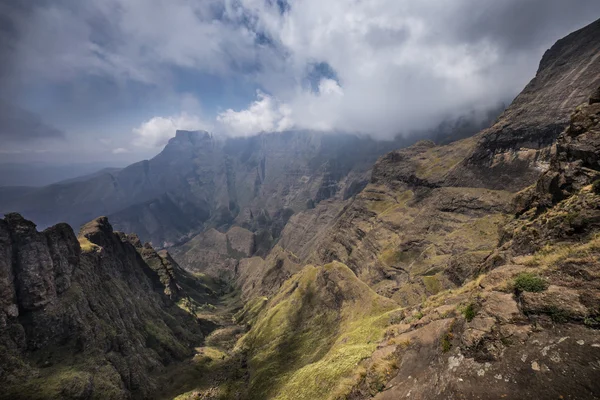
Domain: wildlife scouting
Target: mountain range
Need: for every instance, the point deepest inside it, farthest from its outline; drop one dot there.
(305, 265)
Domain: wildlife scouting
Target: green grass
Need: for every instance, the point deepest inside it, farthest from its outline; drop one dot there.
(469, 312)
(314, 333)
(432, 284)
(528, 282)
(446, 342)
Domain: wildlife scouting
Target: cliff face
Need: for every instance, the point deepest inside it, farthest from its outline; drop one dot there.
(511, 154)
(87, 317)
(527, 326)
(199, 181)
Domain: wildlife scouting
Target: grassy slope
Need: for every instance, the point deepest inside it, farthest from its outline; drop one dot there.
(314, 332)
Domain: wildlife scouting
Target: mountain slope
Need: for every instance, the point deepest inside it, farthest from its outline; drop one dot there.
(199, 181)
(426, 221)
(87, 317)
(529, 323)
(512, 152)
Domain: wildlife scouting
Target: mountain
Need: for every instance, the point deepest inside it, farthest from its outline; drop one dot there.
(42, 174)
(510, 154)
(463, 270)
(93, 316)
(200, 181)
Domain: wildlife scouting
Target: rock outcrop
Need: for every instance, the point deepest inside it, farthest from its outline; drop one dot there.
(528, 325)
(511, 154)
(86, 317)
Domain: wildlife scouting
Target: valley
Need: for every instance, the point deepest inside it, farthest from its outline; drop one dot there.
(302, 265)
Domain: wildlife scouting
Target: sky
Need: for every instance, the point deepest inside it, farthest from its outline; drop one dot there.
(111, 80)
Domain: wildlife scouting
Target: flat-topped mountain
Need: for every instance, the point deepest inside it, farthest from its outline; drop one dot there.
(199, 180)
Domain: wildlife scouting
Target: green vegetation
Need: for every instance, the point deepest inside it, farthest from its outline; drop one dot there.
(469, 312)
(528, 282)
(447, 342)
(592, 322)
(315, 331)
(432, 284)
(596, 186)
(556, 314)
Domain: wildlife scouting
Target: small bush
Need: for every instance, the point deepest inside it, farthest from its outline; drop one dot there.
(447, 342)
(528, 282)
(592, 322)
(557, 315)
(469, 312)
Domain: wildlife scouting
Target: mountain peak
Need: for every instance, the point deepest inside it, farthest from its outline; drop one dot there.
(191, 136)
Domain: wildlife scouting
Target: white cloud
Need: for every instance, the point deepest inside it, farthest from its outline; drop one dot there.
(399, 64)
(157, 131)
(266, 114)
(120, 150)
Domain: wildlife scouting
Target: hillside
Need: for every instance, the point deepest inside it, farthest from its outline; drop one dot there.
(200, 181)
(467, 270)
(93, 316)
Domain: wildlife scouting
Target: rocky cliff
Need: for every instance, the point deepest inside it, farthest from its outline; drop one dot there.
(199, 181)
(512, 152)
(87, 317)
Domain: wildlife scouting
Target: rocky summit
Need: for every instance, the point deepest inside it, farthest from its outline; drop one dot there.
(304, 266)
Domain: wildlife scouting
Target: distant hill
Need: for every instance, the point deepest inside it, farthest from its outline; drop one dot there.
(42, 174)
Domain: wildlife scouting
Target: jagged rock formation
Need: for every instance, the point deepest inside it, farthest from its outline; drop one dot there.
(512, 152)
(87, 317)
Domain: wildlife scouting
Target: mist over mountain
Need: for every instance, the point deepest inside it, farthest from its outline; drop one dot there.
(42, 174)
(283, 249)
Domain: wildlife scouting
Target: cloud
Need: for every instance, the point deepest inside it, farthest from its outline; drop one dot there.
(380, 67)
(120, 150)
(266, 114)
(20, 125)
(157, 131)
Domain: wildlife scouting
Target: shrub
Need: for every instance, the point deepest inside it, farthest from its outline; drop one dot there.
(528, 282)
(469, 312)
(447, 342)
(592, 322)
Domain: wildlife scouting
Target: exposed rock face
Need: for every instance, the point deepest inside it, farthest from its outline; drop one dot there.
(85, 323)
(215, 253)
(406, 234)
(199, 181)
(529, 325)
(511, 154)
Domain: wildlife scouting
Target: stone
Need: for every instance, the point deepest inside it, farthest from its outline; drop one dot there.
(557, 301)
(502, 306)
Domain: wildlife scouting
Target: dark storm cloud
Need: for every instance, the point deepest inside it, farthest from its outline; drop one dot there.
(19, 125)
(519, 25)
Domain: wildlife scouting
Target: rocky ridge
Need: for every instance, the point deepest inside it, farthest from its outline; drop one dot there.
(87, 317)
